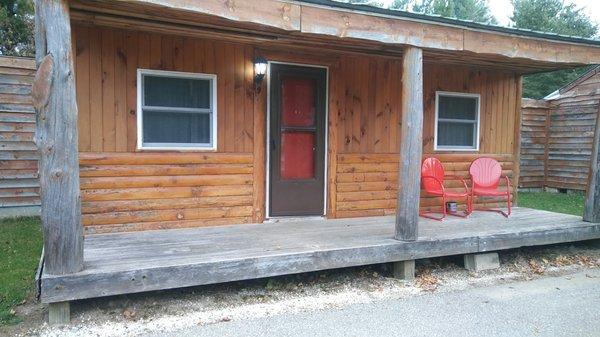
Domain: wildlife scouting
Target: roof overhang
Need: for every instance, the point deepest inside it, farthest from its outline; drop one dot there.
(336, 25)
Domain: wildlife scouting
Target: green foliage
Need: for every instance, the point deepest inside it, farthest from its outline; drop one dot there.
(540, 85)
(473, 10)
(20, 249)
(555, 202)
(552, 16)
(16, 27)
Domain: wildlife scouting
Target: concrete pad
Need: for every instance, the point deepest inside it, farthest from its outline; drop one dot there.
(483, 261)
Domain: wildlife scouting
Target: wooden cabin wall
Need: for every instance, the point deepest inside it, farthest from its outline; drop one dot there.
(571, 134)
(125, 189)
(367, 179)
(535, 120)
(19, 186)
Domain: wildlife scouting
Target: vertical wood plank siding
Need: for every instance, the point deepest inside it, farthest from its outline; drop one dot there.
(364, 131)
(557, 153)
(19, 184)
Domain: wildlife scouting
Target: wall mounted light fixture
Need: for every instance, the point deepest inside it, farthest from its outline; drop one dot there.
(260, 69)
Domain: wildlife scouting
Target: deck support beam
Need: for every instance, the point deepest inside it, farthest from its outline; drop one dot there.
(54, 99)
(411, 146)
(591, 212)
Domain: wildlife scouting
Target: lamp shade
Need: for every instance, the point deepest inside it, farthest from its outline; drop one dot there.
(260, 68)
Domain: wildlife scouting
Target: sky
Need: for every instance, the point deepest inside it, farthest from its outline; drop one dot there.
(502, 9)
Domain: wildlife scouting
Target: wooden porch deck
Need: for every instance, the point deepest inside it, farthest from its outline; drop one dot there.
(144, 261)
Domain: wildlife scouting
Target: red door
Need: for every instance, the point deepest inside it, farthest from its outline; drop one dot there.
(297, 131)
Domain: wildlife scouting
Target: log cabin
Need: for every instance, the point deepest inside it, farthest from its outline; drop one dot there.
(185, 143)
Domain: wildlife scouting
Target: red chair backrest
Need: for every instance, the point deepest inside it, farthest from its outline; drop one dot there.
(485, 172)
(433, 168)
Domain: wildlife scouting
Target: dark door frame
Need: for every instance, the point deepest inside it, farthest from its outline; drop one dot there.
(267, 125)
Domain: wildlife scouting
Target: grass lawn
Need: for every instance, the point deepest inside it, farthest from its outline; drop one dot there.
(555, 202)
(20, 249)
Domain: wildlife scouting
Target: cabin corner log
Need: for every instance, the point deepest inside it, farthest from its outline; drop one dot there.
(591, 212)
(56, 138)
(411, 146)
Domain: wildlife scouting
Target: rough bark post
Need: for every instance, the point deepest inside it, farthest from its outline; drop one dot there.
(56, 137)
(591, 212)
(517, 139)
(411, 146)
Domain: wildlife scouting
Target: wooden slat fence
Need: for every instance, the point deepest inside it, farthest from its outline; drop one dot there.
(557, 136)
(19, 187)
(534, 125)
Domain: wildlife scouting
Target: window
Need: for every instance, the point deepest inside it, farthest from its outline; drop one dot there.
(176, 110)
(456, 121)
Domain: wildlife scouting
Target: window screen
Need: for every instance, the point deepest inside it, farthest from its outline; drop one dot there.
(177, 110)
(457, 121)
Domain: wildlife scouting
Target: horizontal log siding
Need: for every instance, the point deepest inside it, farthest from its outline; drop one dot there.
(367, 183)
(142, 191)
(19, 184)
(534, 125)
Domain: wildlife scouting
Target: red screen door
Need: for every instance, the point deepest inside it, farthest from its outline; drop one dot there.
(297, 130)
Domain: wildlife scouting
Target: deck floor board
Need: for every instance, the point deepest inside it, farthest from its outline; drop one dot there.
(152, 260)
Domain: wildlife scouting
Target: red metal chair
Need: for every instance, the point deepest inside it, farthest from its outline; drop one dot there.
(485, 175)
(432, 180)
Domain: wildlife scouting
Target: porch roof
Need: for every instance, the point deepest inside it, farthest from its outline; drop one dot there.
(329, 25)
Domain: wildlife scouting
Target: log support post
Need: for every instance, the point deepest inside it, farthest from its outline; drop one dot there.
(591, 212)
(411, 146)
(54, 99)
(404, 270)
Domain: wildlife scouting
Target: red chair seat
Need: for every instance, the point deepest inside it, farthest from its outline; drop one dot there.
(448, 193)
(489, 192)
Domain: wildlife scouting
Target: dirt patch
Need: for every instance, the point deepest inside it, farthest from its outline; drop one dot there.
(137, 314)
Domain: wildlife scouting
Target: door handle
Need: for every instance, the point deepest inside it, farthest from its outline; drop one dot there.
(273, 144)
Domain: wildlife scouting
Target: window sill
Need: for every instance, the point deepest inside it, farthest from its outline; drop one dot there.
(456, 150)
(176, 149)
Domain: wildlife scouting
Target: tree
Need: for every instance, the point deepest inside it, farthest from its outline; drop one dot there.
(473, 10)
(556, 17)
(16, 27)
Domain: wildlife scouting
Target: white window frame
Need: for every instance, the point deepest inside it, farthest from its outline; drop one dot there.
(212, 146)
(478, 118)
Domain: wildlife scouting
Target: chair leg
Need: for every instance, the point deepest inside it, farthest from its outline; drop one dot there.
(505, 214)
(428, 215)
